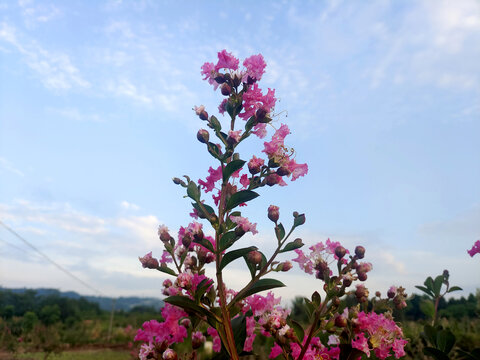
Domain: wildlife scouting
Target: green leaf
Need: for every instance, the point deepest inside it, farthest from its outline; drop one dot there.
(425, 290)
(431, 334)
(437, 285)
(202, 288)
(229, 223)
(213, 150)
(190, 306)
(235, 254)
(227, 240)
(454, 288)
(262, 285)
(280, 232)
(298, 330)
(299, 220)
(240, 198)
(445, 340)
(231, 167)
(166, 270)
(435, 353)
(251, 267)
(427, 308)
(429, 283)
(309, 307)
(193, 191)
(205, 243)
(215, 124)
(209, 209)
(292, 246)
(250, 123)
(239, 327)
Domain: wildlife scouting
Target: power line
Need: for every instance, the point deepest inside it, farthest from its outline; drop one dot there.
(49, 259)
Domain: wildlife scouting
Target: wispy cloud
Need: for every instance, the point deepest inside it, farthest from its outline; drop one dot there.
(38, 13)
(54, 69)
(6, 165)
(76, 115)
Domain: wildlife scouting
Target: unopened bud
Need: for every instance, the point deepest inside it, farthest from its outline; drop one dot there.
(283, 171)
(197, 340)
(378, 294)
(239, 231)
(273, 213)
(178, 181)
(362, 276)
(185, 322)
(392, 292)
(340, 251)
(284, 266)
(226, 89)
(360, 252)
(255, 257)
(260, 114)
(169, 354)
(186, 240)
(272, 179)
(203, 136)
(340, 321)
(220, 78)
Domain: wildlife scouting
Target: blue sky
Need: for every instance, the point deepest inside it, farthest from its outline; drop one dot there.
(382, 97)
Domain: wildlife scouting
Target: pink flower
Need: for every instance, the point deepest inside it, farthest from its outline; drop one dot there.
(276, 351)
(217, 342)
(255, 65)
(221, 107)
(250, 325)
(234, 136)
(215, 175)
(255, 165)
(226, 61)
(166, 258)
(148, 261)
(475, 249)
(244, 224)
(253, 100)
(245, 181)
(208, 69)
(260, 130)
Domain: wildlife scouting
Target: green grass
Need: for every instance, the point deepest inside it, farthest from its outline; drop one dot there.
(102, 354)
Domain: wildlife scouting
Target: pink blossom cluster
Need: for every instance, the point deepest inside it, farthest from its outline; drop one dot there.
(319, 254)
(280, 155)
(475, 249)
(377, 333)
(316, 350)
(168, 331)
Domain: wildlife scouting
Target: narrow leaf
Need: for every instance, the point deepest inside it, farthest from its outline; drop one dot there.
(425, 290)
(437, 285)
(192, 191)
(292, 246)
(454, 288)
(251, 267)
(227, 240)
(235, 254)
(213, 150)
(166, 270)
(280, 232)
(445, 340)
(205, 243)
(429, 283)
(240, 198)
(190, 306)
(435, 353)
(298, 330)
(231, 167)
(262, 285)
(209, 209)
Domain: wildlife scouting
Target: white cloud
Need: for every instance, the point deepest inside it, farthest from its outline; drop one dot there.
(75, 114)
(124, 88)
(41, 13)
(6, 165)
(55, 69)
(129, 206)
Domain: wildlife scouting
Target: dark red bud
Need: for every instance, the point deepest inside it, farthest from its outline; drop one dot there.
(226, 89)
(340, 251)
(360, 252)
(203, 136)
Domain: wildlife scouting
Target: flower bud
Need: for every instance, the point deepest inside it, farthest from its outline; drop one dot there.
(340, 321)
(361, 293)
(148, 261)
(220, 78)
(284, 266)
(178, 181)
(187, 240)
(362, 276)
(186, 322)
(260, 114)
(340, 251)
(226, 89)
(169, 354)
(251, 80)
(203, 136)
(392, 292)
(272, 179)
(167, 283)
(360, 252)
(273, 213)
(239, 231)
(283, 171)
(198, 339)
(378, 294)
(255, 257)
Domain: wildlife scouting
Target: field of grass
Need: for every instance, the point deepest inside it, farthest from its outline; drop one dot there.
(97, 354)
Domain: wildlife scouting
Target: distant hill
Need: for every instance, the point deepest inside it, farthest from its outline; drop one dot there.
(105, 303)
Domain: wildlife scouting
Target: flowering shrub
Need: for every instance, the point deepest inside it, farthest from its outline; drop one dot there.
(200, 308)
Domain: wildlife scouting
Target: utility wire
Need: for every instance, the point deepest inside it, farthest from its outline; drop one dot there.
(50, 260)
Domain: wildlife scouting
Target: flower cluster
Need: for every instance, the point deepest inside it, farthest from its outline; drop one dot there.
(202, 308)
(475, 249)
